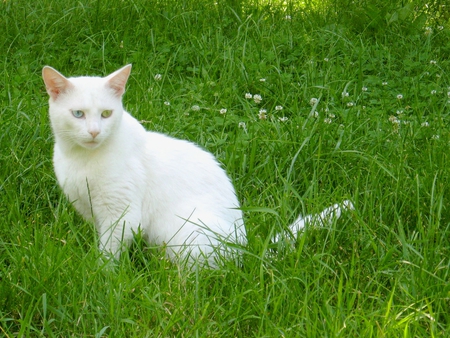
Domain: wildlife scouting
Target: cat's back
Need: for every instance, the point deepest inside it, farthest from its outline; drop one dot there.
(172, 148)
(181, 166)
(177, 157)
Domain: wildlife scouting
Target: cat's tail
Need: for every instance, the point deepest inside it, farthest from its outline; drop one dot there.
(326, 217)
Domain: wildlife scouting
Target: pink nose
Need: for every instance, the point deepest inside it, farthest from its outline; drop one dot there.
(94, 133)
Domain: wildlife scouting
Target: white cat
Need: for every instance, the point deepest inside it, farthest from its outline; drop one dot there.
(127, 179)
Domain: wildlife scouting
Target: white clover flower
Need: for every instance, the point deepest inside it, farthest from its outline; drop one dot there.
(287, 17)
(331, 116)
(167, 103)
(428, 30)
(314, 114)
(399, 97)
(384, 83)
(195, 108)
(425, 124)
(283, 119)
(433, 62)
(364, 89)
(158, 77)
(313, 101)
(248, 95)
(327, 120)
(257, 98)
(278, 108)
(399, 112)
(223, 111)
(393, 119)
(262, 114)
(243, 126)
(345, 94)
(350, 104)
(433, 92)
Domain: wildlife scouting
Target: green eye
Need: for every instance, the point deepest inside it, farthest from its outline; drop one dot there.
(78, 113)
(106, 113)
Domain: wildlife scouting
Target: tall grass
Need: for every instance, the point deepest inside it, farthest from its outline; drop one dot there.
(349, 109)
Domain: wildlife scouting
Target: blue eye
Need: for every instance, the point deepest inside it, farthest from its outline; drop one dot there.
(78, 113)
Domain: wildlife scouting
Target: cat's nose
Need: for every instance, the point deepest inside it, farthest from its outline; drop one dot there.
(94, 133)
(93, 128)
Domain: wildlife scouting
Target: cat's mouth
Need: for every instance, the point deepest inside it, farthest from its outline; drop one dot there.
(91, 144)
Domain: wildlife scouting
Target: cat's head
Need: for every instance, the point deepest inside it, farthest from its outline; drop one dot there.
(85, 111)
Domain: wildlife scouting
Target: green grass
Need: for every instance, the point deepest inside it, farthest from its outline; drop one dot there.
(382, 270)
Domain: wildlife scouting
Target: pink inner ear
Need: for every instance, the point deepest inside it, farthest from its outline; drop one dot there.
(118, 80)
(55, 83)
(55, 91)
(117, 88)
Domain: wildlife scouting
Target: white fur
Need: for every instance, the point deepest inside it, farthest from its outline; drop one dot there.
(127, 179)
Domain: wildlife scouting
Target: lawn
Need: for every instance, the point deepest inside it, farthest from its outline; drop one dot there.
(305, 104)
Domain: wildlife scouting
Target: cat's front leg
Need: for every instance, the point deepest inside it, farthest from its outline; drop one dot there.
(116, 235)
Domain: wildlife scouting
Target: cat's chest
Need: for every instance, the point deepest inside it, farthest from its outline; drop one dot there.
(79, 177)
(76, 185)
(100, 177)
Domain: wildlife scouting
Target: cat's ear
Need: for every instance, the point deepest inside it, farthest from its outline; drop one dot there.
(55, 82)
(117, 80)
